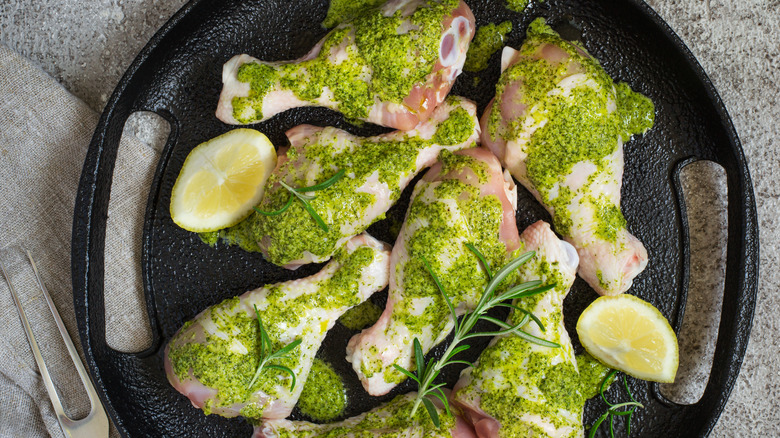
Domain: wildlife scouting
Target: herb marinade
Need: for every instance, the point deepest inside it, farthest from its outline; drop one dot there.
(488, 39)
(586, 122)
(373, 48)
(323, 397)
(361, 316)
(340, 11)
(225, 356)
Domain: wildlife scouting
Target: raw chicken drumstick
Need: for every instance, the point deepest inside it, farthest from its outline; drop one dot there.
(376, 170)
(465, 198)
(558, 123)
(518, 389)
(390, 65)
(213, 358)
(389, 420)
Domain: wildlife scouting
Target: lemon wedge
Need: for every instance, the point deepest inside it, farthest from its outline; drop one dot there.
(630, 335)
(221, 180)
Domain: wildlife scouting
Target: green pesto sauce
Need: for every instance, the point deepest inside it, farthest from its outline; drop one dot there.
(340, 205)
(456, 129)
(218, 363)
(323, 397)
(592, 373)
(341, 11)
(636, 110)
(389, 421)
(609, 217)
(373, 46)
(447, 208)
(210, 238)
(518, 5)
(578, 127)
(361, 316)
(487, 41)
(370, 366)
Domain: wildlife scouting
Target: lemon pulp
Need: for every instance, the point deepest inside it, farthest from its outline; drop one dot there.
(221, 180)
(629, 334)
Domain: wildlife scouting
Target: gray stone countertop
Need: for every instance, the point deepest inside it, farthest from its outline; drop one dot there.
(87, 45)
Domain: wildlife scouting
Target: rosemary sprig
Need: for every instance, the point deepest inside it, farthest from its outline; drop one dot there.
(614, 409)
(300, 193)
(266, 355)
(427, 373)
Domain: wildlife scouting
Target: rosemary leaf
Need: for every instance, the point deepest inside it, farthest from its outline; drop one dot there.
(614, 409)
(418, 357)
(431, 411)
(441, 289)
(628, 391)
(611, 425)
(299, 195)
(524, 290)
(287, 348)
(457, 350)
(323, 185)
(276, 212)
(482, 259)
(495, 321)
(406, 373)
(535, 340)
(500, 276)
(443, 398)
(596, 425)
(603, 383)
(316, 217)
(533, 318)
(286, 370)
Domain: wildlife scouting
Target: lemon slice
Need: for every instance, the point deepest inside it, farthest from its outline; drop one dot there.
(221, 180)
(630, 335)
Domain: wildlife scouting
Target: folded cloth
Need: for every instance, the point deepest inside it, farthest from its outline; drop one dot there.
(44, 135)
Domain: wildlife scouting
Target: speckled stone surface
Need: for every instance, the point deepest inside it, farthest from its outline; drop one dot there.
(88, 44)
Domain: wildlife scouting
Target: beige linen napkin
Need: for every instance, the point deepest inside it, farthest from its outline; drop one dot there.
(44, 135)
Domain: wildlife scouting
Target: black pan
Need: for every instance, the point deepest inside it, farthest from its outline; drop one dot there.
(177, 75)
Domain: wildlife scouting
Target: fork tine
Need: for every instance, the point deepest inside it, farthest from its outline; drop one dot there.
(95, 424)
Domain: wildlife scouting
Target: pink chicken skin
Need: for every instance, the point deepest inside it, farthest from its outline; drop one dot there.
(391, 420)
(391, 65)
(518, 389)
(213, 359)
(376, 170)
(464, 198)
(558, 124)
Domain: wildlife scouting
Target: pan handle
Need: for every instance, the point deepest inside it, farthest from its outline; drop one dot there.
(91, 212)
(739, 291)
(740, 287)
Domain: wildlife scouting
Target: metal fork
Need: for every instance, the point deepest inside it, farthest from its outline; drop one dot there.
(95, 424)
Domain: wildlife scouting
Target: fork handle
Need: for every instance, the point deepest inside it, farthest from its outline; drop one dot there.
(47, 381)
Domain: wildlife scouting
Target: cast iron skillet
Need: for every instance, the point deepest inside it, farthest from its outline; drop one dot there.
(177, 75)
